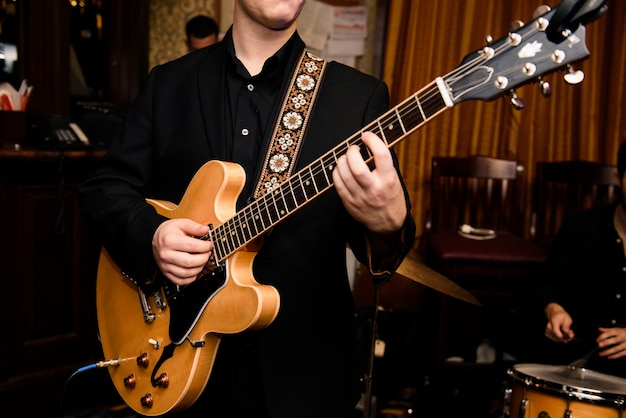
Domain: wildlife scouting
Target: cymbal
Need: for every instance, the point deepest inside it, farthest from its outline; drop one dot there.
(418, 272)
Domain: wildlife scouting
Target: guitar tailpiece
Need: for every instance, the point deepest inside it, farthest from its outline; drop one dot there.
(195, 344)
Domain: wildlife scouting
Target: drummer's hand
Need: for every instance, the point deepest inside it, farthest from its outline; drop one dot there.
(558, 328)
(613, 340)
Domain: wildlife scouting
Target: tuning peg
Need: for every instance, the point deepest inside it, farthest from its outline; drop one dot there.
(541, 10)
(516, 102)
(544, 87)
(515, 25)
(573, 76)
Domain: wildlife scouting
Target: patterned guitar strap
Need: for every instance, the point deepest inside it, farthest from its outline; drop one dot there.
(291, 124)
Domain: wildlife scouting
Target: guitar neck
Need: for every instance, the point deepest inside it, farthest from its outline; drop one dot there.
(311, 181)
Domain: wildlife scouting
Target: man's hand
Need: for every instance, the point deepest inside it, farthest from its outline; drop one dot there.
(178, 254)
(559, 324)
(374, 198)
(613, 340)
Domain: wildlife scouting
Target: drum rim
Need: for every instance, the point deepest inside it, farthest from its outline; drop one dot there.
(589, 395)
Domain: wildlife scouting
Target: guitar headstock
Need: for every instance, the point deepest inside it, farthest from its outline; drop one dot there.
(552, 41)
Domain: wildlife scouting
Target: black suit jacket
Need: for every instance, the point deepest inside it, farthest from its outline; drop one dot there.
(175, 125)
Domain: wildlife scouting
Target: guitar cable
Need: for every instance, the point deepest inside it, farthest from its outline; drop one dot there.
(96, 365)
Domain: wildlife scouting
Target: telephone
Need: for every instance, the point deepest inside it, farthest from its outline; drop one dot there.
(56, 132)
(62, 132)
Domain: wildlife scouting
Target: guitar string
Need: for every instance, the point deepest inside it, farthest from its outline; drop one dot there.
(428, 106)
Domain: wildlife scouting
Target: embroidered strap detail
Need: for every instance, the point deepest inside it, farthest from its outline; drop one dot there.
(291, 124)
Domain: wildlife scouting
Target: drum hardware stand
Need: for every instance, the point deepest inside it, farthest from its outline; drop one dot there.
(367, 401)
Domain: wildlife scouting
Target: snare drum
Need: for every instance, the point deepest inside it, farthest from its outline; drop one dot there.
(544, 391)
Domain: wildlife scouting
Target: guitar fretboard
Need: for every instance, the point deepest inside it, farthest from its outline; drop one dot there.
(311, 181)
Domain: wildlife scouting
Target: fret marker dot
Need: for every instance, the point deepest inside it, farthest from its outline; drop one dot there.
(307, 183)
(390, 127)
(330, 167)
(282, 212)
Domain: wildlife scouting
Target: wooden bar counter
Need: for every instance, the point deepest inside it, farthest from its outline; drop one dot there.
(48, 261)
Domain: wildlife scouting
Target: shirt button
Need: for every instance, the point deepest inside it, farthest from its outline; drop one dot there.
(618, 296)
(250, 87)
(245, 132)
(613, 321)
(623, 268)
(618, 240)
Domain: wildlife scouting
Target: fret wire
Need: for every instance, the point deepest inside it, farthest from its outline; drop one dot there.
(234, 232)
(252, 226)
(299, 193)
(222, 241)
(419, 105)
(381, 131)
(411, 115)
(219, 251)
(229, 237)
(310, 189)
(245, 225)
(272, 210)
(281, 208)
(239, 232)
(313, 183)
(258, 219)
(328, 165)
(263, 213)
(390, 127)
(400, 121)
(290, 200)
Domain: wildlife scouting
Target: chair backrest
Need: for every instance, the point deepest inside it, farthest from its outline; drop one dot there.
(480, 191)
(565, 187)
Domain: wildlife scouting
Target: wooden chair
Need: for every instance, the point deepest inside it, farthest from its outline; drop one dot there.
(565, 187)
(491, 259)
(487, 195)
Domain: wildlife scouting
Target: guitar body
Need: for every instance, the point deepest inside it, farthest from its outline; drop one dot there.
(239, 304)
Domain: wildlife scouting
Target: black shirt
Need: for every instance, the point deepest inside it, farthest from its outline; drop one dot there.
(254, 103)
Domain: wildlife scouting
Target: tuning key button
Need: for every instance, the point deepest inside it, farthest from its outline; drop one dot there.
(515, 25)
(545, 88)
(516, 102)
(573, 76)
(541, 10)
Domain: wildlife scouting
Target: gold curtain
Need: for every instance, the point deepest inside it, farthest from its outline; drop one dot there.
(426, 39)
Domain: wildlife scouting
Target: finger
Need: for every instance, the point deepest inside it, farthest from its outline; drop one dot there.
(359, 172)
(380, 152)
(192, 228)
(341, 175)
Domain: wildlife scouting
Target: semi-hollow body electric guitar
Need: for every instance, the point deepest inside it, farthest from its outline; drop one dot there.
(163, 340)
